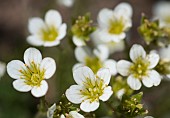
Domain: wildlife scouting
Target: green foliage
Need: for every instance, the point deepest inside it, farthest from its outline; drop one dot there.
(131, 107)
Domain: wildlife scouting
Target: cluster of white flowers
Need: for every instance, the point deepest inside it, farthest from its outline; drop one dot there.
(93, 71)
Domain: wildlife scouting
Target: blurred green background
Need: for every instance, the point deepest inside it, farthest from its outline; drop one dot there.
(14, 16)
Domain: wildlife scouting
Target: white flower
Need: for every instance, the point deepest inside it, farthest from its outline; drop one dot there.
(51, 110)
(46, 33)
(32, 74)
(66, 3)
(90, 89)
(2, 69)
(140, 69)
(111, 45)
(114, 23)
(95, 61)
(162, 11)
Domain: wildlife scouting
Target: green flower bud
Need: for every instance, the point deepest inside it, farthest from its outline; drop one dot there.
(131, 106)
(82, 27)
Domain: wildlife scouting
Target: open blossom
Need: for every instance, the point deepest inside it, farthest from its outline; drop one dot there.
(114, 23)
(2, 69)
(71, 114)
(162, 12)
(46, 33)
(90, 88)
(140, 69)
(32, 74)
(96, 60)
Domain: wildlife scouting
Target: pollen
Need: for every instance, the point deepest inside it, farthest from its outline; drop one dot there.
(116, 26)
(139, 68)
(32, 74)
(49, 34)
(93, 90)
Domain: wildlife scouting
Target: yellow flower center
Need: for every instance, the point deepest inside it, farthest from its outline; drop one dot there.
(32, 74)
(94, 63)
(93, 89)
(49, 34)
(116, 26)
(139, 68)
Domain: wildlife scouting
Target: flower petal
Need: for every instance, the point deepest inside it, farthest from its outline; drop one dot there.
(153, 59)
(32, 55)
(34, 40)
(164, 52)
(80, 54)
(102, 52)
(66, 3)
(52, 43)
(104, 73)
(111, 64)
(50, 111)
(137, 51)
(147, 81)
(75, 114)
(120, 93)
(104, 16)
(2, 69)
(21, 86)
(77, 66)
(62, 116)
(14, 67)
(134, 83)
(106, 94)
(39, 91)
(73, 94)
(35, 25)
(124, 9)
(88, 106)
(62, 31)
(50, 67)
(78, 42)
(155, 77)
(123, 67)
(53, 18)
(82, 73)
(117, 37)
